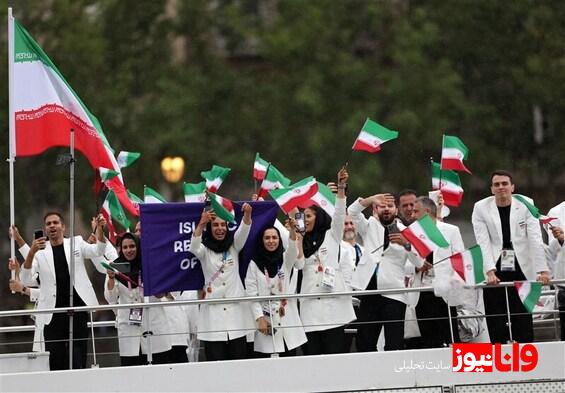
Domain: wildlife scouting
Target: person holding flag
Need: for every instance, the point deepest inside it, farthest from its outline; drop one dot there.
(124, 286)
(222, 327)
(324, 318)
(511, 243)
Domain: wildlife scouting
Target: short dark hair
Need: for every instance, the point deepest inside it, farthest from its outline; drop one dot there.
(501, 172)
(406, 191)
(54, 213)
(428, 203)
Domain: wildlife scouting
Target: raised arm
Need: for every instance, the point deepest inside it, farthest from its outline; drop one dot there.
(242, 231)
(196, 246)
(338, 220)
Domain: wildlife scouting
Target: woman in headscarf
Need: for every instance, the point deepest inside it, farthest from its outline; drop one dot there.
(222, 327)
(272, 272)
(324, 318)
(135, 324)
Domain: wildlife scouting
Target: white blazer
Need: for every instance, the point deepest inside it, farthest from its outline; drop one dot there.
(43, 264)
(220, 322)
(556, 252)
(289, 328)
(392, 261)
(329, 312)
(130, 336)
(525, 234)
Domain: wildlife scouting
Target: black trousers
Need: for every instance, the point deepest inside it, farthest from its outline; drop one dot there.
(57, 341)
(325, 342)
(433, 321)
(561, 302)
(497, 316)
(177, 354)
(226, 350)
(141, 359)
(376, 312)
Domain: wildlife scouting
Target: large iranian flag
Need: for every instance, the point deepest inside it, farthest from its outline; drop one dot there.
(424, 236)
(295, 195)
(448, 183)
(372, 136)
(529, 293)
(45, 108)
(453, 153)
(273, 179)
(469, 265)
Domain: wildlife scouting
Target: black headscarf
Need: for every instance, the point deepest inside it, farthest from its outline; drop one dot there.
(313, 240)
(270, 260)
(135, 264)
(214, 244)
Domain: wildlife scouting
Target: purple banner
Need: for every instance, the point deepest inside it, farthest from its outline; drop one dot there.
(166, 233)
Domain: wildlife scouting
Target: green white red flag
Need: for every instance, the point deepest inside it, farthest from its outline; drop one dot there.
(134, 198)
(449, 183)
(223, 207)
(215, 177)
(107, 174)
(469, 265)
(259, 168)
(453, 153)
(424, 236)
(529, 293)
(152, 196)
(194, 192)
(45, 108)
(533, 209)
(372, 136)
(296, 194)
(126, 158)
(113, 212)
(273, 180)
(324, 198)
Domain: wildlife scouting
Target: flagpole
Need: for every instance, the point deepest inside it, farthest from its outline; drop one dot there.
(72, 234)
(440, 159)
(12, 131)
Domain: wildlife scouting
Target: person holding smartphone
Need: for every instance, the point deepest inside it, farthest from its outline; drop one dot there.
(272, 272)
(324, 318)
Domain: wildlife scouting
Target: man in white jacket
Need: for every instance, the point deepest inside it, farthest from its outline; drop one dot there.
(51, 259)
(511, 244)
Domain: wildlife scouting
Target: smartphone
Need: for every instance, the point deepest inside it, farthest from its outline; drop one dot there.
(392, 228)
(122, 267)
(300, 224)
(38, 233)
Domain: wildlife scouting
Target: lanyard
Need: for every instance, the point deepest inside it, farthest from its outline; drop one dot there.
(280, 277)
(218, 272)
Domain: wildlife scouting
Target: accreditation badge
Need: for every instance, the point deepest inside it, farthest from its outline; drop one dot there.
(135, 316)
(508, 261)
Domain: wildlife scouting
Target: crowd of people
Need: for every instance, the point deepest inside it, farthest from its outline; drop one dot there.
(349, 251)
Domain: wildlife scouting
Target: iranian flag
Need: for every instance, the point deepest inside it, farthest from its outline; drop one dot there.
(424, 236)
(107, 174)
(152, 196)
(324, 198)
(533, 209)
(134, 198)
(295, 195)
(259, 168)
(194, 192)
(113, 212)
(44, 108)
(469, 265)
(529, 293)
(215, 177)
(448, 183)
(223, 207)
(453, 153)
(273, 180)
(126, 158)
(372, 136)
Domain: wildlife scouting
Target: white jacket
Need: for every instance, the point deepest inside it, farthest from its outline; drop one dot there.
(43, 264)
(525, 234)
(327, 312)
(556, 252)
(392, 261)
(130, 336)
(288, 328)
(220, 322)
